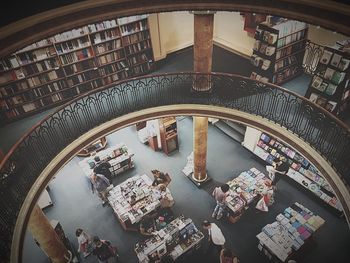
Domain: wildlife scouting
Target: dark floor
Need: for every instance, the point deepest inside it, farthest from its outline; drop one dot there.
(75, 206)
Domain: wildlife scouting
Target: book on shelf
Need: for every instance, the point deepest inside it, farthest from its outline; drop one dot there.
(328, 74)
(336, 60)
(330, 106)
(338, 77)
(323, 87)
(313, 97)
(321, 101)
(317, 81)
(326, 57)
(344, 64)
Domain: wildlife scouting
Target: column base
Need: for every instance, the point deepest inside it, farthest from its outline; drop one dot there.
(199, 184)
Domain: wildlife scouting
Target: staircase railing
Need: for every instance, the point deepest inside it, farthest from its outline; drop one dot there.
(27, 159)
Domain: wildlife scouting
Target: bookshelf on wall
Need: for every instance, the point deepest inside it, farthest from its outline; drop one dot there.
(300, 170)
(330, 87)
(62, 67)
(278, 50)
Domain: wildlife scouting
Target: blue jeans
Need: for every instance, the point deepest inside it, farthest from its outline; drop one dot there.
(219, 210)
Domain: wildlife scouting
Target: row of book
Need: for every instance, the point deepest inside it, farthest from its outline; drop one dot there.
(258, 77)
(289, 50)
(13, 88)
(11, 76)
(260, 62)
(36, 55)
(137, 37)
(79, 66)
(289, 27)
(83, 77)
(8, 63)
(133, 28)
(72, 45)
(323, 86)
(102, 25)
(110, 57)
(141, 46)
(286, 73)
(40, 66)
(335, 60)
(138, 58)
(76, 56)
(105, 36)
(115, 77)
(266, 36)
(291, 39)
(44, 78)
(323, 102)
(112, 68)
(107, 46)
(42, 43)
(264, 48)
(285, 62)
(74, 33)
(131, 19)
(142, 68)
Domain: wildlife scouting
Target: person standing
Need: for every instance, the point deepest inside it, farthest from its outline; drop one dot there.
(220, 194)
(84, 242)
(215, 236)
(103, 167)
(160, 178)
(104, 251)
(277, 170)
(101, 184)
(227, 256)
(167, 199)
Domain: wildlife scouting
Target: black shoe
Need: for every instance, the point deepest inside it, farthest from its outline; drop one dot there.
(104, 204)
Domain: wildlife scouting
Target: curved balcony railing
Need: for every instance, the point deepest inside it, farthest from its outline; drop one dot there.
(37, 148)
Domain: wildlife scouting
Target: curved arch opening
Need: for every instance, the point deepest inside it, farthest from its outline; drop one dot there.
(187, 110)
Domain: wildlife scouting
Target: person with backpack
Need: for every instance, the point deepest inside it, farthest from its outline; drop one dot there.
(220, 194)
(102, 167)
(104, 251)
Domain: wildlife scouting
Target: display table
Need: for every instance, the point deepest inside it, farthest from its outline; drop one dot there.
(133, 199)
(174, 240)
(289, 233)
(244, 189)
(118, 156)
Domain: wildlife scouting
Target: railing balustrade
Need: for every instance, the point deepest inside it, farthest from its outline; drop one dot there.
(33, 152)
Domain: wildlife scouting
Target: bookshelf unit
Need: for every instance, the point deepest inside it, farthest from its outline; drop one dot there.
(301, 171)
(94, 147)
(330, 87)
(59, 68)
(278, 50)
(168, 134)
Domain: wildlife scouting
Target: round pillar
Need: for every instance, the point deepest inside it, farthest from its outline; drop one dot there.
(200, 136)
(47, 238)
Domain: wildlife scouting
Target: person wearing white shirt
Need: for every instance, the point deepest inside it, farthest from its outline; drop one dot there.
(215, 236)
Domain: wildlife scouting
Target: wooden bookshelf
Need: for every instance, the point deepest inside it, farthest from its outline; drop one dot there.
(54, 70)
(168, 134)
(278, 50)
(330, 87)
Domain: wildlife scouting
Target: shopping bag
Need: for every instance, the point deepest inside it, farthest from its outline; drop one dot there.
(261, 205)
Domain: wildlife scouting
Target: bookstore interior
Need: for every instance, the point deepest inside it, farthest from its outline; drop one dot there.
(57, 69)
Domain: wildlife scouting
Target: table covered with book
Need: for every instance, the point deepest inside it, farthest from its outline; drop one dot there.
(290, 232)
(133, 199)
(245, 189)
(171, 241)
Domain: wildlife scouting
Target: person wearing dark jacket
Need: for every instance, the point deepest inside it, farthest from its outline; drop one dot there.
(102, 167)
(104, 251)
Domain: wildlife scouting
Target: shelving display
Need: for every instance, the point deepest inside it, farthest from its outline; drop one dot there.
(278, 50)
(133, 199)
(54, 70)
(330, 87)
(119, 157)
(168, 134)
(174, 240)
(300, 169)
(286, 236)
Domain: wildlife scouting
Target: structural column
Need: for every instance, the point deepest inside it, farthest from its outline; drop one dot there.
(46, 236)
(203, 51)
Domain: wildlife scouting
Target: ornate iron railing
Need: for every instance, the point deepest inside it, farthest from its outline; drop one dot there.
(34, 151)
(313, 54)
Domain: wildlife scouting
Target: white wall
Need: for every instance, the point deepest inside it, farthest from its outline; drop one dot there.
(229, 33)
(174, 31)
(171, 32)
